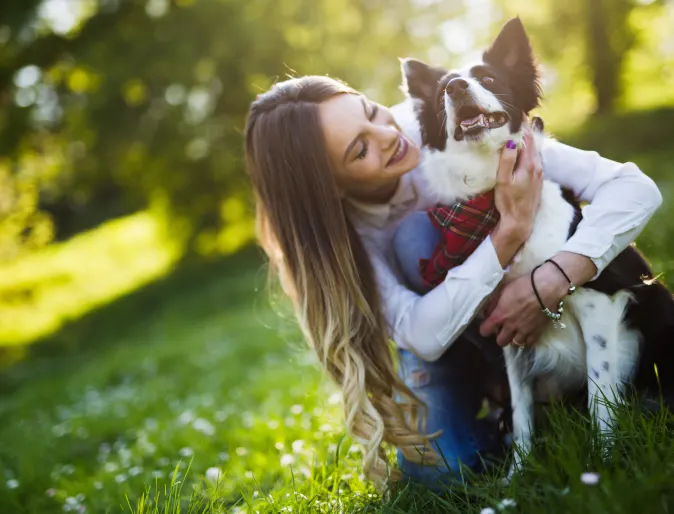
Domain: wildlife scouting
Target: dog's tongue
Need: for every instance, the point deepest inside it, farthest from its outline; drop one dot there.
(470, 122)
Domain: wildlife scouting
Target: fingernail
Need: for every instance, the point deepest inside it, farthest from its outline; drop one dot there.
(511, 144)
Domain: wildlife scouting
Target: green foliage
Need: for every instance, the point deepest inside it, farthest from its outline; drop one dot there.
(135, 104)
(143, 103)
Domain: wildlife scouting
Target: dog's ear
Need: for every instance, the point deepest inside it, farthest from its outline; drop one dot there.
(512, 53)
(419, 79)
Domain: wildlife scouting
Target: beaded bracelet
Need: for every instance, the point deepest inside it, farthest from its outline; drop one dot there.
(556, 317)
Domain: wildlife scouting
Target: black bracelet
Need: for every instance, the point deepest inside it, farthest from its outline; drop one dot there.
(572, 286)
(556, 317)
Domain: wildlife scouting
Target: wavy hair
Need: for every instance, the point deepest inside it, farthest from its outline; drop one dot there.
(324, 269)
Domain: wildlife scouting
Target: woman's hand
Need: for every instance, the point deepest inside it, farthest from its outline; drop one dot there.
(515, 313)
(517, 196)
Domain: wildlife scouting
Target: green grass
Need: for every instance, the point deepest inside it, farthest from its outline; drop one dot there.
(128, 406)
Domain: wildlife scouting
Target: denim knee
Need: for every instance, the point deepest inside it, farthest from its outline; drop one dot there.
(451, 390)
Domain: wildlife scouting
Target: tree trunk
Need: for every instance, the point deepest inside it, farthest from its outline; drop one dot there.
(608, 38)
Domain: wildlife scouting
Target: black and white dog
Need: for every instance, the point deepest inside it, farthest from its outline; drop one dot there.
(618, 327)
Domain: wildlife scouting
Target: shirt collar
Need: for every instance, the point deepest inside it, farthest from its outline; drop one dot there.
(380, 215)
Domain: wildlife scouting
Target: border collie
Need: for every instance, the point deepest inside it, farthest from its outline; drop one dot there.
(618, 327)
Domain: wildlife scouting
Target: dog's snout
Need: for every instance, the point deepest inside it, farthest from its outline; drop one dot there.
(456, 87)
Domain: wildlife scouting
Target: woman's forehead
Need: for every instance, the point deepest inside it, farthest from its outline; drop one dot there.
(342, 117)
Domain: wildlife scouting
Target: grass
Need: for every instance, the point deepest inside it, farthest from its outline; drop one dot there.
(189, 393)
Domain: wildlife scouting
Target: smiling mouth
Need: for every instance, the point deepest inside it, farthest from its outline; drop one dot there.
(472, 121)
(400, 153)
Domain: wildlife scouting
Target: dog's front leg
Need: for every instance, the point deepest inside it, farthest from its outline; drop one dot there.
(612, 353)
(522, 400)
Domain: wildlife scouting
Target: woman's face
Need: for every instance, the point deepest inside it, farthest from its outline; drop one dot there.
(368, 150)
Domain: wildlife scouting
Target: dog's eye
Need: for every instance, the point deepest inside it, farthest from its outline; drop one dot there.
(487, 80)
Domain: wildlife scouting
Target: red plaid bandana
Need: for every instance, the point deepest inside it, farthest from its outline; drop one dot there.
(463, 226)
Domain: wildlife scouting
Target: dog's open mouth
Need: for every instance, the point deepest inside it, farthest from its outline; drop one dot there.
(472, 121)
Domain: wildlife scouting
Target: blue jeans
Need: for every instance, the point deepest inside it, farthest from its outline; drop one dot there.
(454, 386)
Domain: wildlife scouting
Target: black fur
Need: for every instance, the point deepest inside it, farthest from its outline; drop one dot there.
(511, 54)
(422, 82)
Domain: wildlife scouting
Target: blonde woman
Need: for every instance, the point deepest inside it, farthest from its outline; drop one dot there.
(335, 176)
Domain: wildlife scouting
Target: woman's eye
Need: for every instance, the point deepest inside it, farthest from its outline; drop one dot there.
(363, 153)
(487, 80)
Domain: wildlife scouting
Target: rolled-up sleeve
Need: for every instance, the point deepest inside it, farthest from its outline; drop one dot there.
(621, 199)
(430, 323)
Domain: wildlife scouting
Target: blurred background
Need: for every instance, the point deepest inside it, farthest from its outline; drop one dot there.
(136, 333)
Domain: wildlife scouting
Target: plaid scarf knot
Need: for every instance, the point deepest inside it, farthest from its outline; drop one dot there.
(463, 226)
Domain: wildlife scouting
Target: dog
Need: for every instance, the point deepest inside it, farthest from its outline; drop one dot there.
(619, 327)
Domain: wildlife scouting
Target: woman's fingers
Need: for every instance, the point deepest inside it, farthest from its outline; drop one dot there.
(505, 336)
(506, 163)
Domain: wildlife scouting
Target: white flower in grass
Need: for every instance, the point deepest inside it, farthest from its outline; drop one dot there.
(51, 492)
(249, 475)
(241, 451)
(204, 426)
(164, 461)
(157, 473)
(81, 509)
(186, 417)
(224, 456)
(590, 478)
(298, 446)
(135, 471)
(12, 483)
(111, 467)
(213, 475)
(297, 409)
(98, 485)
(506, 503)
(120, 478)
(487, 510)
(287, 460)
(186, 452)
(279, 445)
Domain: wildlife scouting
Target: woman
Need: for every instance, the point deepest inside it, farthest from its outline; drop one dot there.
(334, 176)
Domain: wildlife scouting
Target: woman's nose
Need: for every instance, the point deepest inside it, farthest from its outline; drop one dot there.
(388, 136)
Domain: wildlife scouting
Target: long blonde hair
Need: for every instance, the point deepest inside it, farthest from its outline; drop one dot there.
(325, 270)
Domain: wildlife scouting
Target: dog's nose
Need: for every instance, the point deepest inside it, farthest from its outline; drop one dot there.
(456, 87)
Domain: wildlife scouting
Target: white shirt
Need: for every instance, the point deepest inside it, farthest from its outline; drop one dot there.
(622, 199)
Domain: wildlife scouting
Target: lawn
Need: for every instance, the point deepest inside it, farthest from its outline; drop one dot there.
(191, 393)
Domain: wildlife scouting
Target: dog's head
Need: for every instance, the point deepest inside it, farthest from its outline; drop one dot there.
(484, 102)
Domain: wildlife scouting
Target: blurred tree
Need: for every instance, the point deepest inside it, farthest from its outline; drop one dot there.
(609, 37)
(601, 28)
(141, 103)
